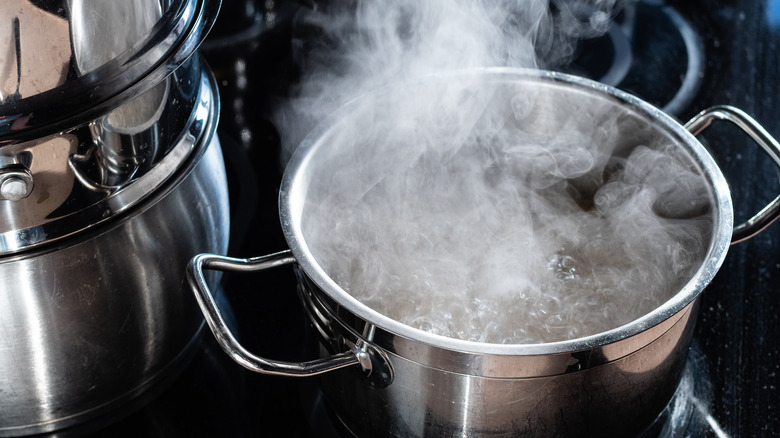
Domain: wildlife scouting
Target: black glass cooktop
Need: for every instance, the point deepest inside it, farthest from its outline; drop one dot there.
(682, 56)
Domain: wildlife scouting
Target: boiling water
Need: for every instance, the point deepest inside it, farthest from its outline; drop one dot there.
(508, 232)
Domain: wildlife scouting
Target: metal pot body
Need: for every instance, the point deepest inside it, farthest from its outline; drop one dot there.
(102, 316)
(411, 382)
(617, 380)
(619, 398)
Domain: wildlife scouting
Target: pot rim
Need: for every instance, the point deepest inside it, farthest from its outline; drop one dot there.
(119, 206)
(292, 196)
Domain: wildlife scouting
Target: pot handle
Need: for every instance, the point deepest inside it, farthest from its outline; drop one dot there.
(225, 337)
(747, 124)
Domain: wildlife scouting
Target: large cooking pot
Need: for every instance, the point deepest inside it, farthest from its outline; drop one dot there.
(111, 179)
(384, 378)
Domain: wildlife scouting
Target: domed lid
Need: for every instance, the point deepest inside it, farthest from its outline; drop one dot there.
(65, 62)
(99, 110)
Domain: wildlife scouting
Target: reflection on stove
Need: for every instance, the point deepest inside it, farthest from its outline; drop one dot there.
(688, 412)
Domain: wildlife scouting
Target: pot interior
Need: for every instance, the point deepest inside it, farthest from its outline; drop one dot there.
(506, 207)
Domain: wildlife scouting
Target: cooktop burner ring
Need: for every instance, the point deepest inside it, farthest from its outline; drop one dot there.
(640, 57)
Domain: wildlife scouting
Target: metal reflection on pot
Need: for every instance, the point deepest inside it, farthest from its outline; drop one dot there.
(618, 379)
(93, 222)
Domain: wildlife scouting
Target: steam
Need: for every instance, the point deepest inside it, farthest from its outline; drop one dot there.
(488, 206)
(347, 49)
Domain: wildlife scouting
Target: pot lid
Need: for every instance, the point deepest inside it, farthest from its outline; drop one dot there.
(64, 62)
(102, 106)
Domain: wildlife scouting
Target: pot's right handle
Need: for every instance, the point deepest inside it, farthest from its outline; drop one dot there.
(225, 337)
(771, 212)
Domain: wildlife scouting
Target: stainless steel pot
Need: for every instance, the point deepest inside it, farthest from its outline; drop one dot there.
(111, 179)
(387, 379)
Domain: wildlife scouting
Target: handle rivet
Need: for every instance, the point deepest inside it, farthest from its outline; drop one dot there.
(14, 189)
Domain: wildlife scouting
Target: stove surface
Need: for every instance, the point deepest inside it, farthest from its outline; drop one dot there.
(683, 56)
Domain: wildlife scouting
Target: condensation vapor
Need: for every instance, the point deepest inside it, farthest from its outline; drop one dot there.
(479, 208)
(346, 49)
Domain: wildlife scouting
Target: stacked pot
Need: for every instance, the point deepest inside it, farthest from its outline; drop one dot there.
(111, 179)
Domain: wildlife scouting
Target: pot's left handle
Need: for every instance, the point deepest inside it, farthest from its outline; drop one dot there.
(758, 134)
(225, 337)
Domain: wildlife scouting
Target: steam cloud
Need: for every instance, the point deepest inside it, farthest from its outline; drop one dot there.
(480, 208)
(348, 48)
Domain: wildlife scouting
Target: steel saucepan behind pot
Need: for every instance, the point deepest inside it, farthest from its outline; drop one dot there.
(414, 383)
(111, 178)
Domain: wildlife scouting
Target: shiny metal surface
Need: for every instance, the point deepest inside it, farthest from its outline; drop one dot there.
(88, 324)
(36, 50)
(112, 178)
(68, 62)
(637, 122)
(75, 188)
(196, 271)
(16, 182)
(82, 171)
(621, 397)
(618, 380)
